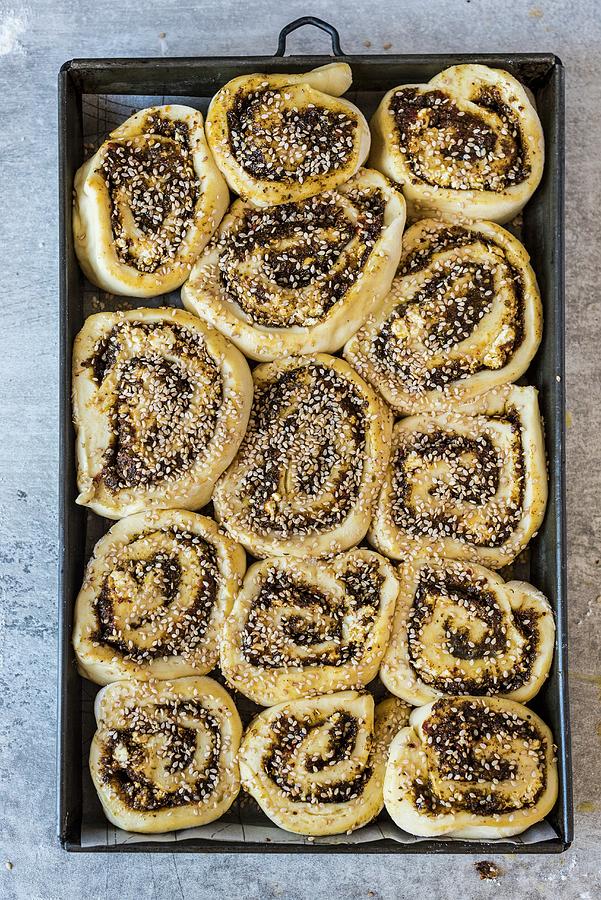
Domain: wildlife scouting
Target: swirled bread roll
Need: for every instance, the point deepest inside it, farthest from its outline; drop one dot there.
(464, 315)
(471, 767)
(316, 766)
(460, 629)
(468, 144)
(147, 202)
(468, 484)
(164, 755)
(160, 404)
(281, 138)
(308, 472)
(303, 627)
(155, 596)
(300, 277)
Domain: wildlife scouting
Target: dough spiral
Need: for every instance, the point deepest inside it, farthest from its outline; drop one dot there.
(308, 472)
(316, 766)
(300, 277)
(147, 202)
(469, 484)
(460, 629)
(160, 405)
(281, 138)
(155, 596)
(164, 755)
(471, 767)
(464, 315)
(468, 144)
(302, 627)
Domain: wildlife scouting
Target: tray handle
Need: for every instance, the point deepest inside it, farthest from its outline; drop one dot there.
(309, 20)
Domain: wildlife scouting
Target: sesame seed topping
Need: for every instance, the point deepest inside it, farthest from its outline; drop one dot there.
(448, 147)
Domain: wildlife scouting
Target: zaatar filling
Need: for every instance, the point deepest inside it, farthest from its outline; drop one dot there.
(292, 623)
(471, 750)
(289, 735)
(450, 305)
(151, 764)
(274, 141)
(475, 605)
(448, 147)
(473, 477)
(290, 264)
(157, 619)
(158, 429)
(152, 179)
(303, 453)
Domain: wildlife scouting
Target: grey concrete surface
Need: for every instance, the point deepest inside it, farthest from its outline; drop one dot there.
(35, 38)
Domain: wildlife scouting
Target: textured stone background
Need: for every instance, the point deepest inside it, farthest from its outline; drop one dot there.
(35, 38)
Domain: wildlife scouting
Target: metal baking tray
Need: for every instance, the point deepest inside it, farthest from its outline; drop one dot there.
(543, 234)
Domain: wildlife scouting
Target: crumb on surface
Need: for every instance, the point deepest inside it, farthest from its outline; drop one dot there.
(487, 870)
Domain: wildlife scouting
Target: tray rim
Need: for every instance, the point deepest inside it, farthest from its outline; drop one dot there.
(71, 74)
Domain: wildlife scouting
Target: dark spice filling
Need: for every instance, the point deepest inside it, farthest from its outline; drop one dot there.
(311, 243)
(306, 440)
(476, 482)
(451, 304)
(289, 734)
(156, 431)
(490, 98)
(273, 142)
(311, 618)
(178, 743)
(317, 621)
(156, 181)
(363, 583)
(463, 138)
(479, 604)
(165, 572)
(451, 236)
(104, 358)
(456, 731)
(173, 129)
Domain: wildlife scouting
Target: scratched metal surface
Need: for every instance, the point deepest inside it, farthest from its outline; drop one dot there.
(35, 38)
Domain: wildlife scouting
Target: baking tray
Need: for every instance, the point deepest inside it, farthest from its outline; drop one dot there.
(82, 81)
